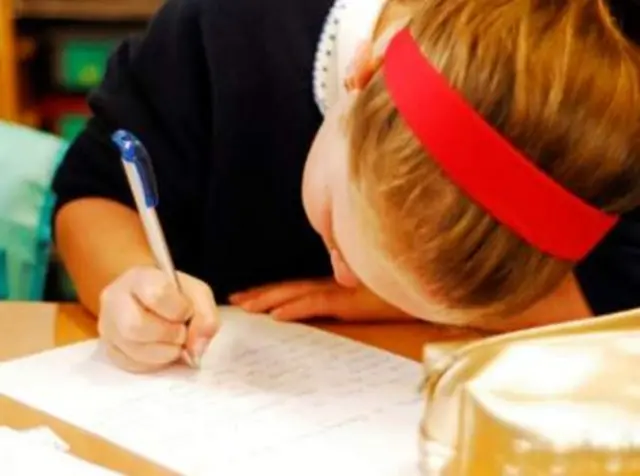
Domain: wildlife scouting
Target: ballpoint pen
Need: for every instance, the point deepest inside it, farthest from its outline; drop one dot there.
(142, 181)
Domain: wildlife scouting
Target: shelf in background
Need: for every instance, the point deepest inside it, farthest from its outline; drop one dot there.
(30, 117)
(87, 9)
(26, 48)
(54, 47)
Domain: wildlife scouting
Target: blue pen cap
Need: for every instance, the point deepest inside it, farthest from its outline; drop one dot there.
(132, 151)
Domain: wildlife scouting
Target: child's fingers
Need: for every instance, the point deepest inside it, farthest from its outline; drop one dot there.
(143, 319)
(142, 326)
(123, 318)
(126, 363)
(338, 302)
(330, 301)
(299, 286)
(156, 293)
(306, 307)
(276, 295)
(205, 322)
(149, 354)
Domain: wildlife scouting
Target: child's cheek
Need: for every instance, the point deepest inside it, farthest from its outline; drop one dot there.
(315, 194)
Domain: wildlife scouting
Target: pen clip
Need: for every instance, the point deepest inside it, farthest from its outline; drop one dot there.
(133, 152)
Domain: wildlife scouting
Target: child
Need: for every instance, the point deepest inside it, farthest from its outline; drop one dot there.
(420, 207)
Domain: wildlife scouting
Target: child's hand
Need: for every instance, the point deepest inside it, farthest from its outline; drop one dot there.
(143, 319)
(296, 300)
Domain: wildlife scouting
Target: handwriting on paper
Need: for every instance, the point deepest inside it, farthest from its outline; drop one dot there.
(265, 389)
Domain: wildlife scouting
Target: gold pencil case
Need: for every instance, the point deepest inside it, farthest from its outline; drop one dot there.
(561, 400)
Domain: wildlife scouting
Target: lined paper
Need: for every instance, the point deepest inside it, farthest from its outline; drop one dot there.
(269, 397)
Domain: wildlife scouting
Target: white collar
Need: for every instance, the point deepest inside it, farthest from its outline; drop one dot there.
(349, 23)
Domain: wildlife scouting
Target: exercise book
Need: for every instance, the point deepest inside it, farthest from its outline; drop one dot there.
(270, 398)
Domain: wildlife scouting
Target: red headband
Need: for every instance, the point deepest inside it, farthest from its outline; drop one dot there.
(483, 164)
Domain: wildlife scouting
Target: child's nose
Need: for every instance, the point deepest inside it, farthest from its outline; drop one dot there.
(341, 271)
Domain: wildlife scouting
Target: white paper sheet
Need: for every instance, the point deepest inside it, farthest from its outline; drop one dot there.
(40, 435)
(274, 397)
(21, 455)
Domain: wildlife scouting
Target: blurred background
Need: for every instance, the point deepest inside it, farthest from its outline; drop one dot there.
(52, 52)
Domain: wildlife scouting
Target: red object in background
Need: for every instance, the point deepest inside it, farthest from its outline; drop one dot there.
(64, 115)
(55, 106)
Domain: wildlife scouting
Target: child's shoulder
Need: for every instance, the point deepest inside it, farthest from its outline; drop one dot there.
(243, 24)
(229, 25)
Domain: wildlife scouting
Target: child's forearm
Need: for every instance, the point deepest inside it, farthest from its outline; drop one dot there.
(98, 240)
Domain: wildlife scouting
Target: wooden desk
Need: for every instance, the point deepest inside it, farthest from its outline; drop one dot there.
(30, 328)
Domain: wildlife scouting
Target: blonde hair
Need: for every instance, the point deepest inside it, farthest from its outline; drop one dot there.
(560, 82)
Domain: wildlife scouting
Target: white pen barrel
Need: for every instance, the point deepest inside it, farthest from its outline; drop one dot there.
(151, 224)
(158, 244)
(134, 183)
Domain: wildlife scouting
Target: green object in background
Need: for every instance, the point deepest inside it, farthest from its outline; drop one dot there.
(83, 62)
(4, 280)
(28, 159)
(70, 125)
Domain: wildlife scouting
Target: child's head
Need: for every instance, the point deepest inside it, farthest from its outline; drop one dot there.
(556, 79)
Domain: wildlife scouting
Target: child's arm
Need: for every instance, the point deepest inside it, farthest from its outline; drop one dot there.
(157, 87)
(117, 234)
